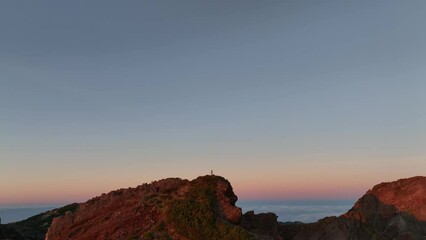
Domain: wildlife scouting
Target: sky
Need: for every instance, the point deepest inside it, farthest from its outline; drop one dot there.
(286, 99)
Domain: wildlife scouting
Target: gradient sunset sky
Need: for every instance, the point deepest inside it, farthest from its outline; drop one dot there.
(286, 99)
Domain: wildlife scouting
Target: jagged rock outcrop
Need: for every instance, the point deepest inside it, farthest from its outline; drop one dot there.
(393, 210)
(167, 209)
(263, 225)
(385, 200)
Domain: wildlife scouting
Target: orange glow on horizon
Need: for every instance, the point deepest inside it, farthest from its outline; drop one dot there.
(279, 185)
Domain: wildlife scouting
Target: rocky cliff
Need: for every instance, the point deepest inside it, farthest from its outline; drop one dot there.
(385, 200)
(393, 210)
(167, 209)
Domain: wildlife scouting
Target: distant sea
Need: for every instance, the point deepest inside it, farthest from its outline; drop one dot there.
(306, 211)
(287, 211)
(14, 213)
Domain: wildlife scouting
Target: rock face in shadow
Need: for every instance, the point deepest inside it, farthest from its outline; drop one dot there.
(8, 233)
(263, 225)
(167, 209)
(394, 210)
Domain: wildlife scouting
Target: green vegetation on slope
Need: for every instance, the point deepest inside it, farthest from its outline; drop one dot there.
(197, 216)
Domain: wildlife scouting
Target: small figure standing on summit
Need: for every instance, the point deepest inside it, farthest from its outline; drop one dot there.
(211, 172)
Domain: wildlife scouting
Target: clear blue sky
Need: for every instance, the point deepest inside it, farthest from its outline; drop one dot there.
(287, 99)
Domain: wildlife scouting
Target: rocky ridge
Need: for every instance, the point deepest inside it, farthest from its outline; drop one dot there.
(173, 208)
(205, 208)
(392, 210)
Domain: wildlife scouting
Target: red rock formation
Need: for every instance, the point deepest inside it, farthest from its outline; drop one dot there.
(387, 199)
(141, 212)
(227, 199)
(393, 210)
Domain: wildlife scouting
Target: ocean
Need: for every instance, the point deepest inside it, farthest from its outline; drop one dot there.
(306, 211)
(287, 210)
(14, 213)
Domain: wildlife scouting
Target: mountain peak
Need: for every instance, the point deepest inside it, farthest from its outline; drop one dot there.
(163, 209)
(386, 199)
